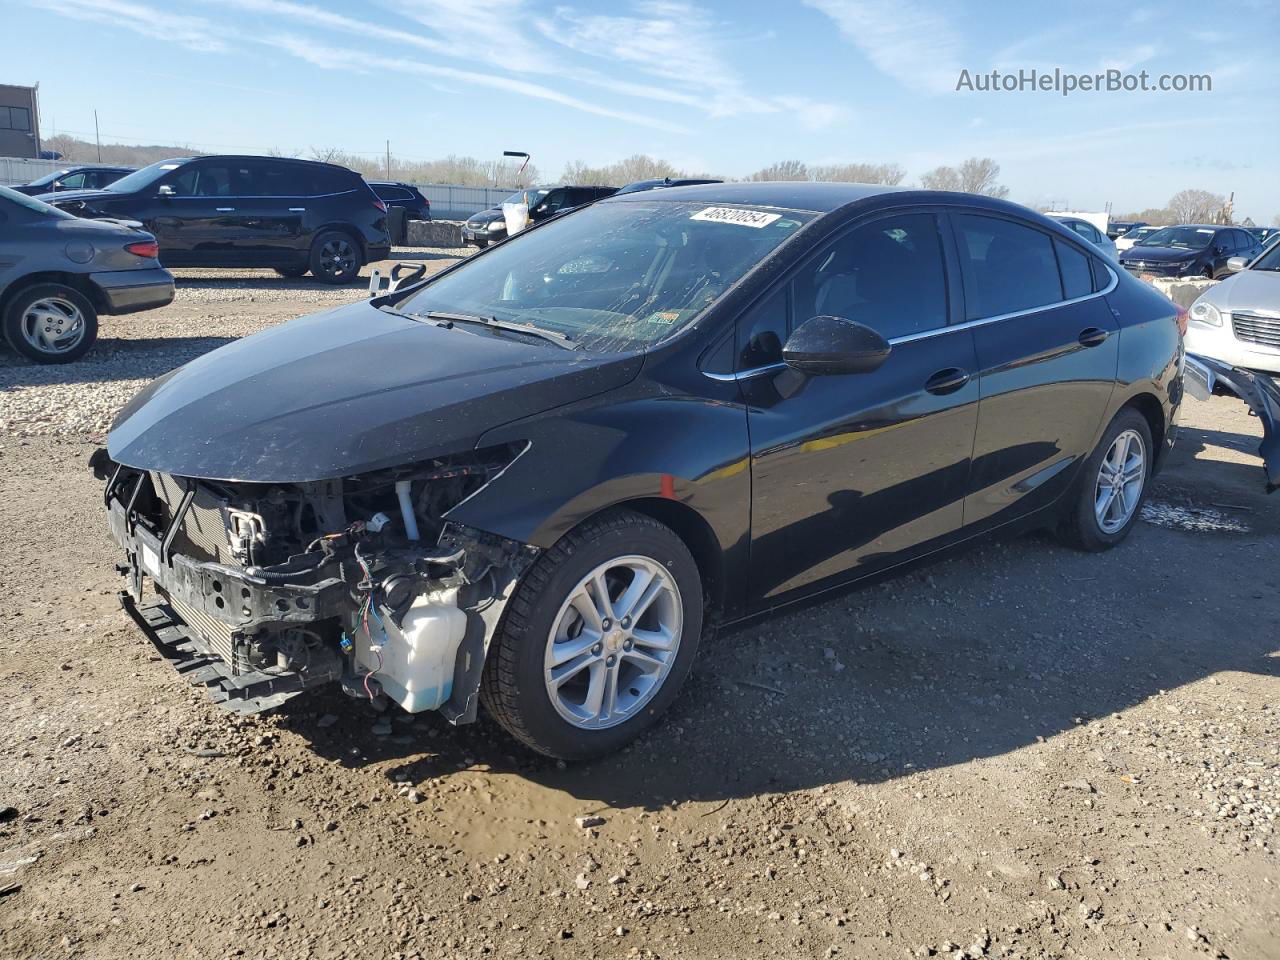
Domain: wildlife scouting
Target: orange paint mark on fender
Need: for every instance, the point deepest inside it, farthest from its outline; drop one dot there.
(668, 487)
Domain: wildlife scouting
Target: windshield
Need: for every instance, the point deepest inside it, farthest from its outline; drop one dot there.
(144, 177)
(49, 177)
(1268, 260)
(615, 275)
(1189, 238)
(531, 196)
(32, 204)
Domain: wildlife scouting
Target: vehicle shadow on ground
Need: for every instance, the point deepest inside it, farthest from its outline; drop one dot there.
(910, 676)
(102, 363)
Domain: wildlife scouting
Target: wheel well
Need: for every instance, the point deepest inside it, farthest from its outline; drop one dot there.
(1149, 407)
(688, 525)
(76, 281)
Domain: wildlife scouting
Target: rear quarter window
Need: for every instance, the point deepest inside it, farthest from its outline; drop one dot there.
(1077, 275)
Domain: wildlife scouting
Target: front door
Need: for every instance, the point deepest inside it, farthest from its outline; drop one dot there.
(1048, 348)
(854, 473)
(197, 218)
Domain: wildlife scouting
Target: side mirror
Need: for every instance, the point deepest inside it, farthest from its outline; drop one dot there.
(166, 190)
(834, 345)
(1236, 264)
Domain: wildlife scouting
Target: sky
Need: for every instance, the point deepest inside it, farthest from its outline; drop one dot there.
(718, 86)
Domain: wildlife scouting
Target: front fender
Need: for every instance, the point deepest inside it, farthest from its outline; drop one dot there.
(640, 442)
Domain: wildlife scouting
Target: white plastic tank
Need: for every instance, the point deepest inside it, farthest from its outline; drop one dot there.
(416, 670)
(516, 215)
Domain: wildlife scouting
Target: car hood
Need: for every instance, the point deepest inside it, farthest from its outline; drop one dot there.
(486, 216)
(1248, 290)
(1160, 254)
(345, 392)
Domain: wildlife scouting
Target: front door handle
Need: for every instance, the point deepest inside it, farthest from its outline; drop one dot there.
(1093, 336)
(947, 381)
(225, 209)
(297, 209)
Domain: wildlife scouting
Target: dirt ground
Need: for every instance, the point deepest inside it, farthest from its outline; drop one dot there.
(1019, 752)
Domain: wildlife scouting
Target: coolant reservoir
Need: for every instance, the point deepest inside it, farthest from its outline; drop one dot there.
(418, 657)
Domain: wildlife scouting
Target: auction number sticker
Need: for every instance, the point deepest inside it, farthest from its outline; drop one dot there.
(743, 218)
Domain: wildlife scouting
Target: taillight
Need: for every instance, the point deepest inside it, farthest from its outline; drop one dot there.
(1182, 320)
(380, 205)
(144, 248)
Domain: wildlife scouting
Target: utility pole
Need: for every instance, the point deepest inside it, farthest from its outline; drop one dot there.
(388, 159)
(96, 135)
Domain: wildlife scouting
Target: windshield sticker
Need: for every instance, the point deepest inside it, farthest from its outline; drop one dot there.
(743, 218)
(667, 317)
(1204, 231)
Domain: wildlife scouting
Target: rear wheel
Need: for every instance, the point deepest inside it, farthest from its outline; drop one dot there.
(51, 323)
(1112, 485)
(293, 272)
(598, 639)
(335, 257)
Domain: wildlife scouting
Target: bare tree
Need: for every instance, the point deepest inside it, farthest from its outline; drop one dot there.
(784, 170)
(887, 173)
(1195, 206)
(941, 178)
(325, 154)
(975, 175)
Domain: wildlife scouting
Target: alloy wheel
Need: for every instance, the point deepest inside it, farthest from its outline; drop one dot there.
(613, 642)
(1121, 477)
(337, 257)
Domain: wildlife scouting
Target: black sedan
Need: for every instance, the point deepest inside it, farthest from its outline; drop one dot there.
(74, 178)
(58, 272)
(537, 479)
(1190, 250)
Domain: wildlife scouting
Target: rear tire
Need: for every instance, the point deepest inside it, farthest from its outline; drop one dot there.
(294, 272)
(1112, 486)
(51, 323)
(575, 685)
(335, 258)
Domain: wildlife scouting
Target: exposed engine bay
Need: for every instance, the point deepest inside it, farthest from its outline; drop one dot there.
(264, 590)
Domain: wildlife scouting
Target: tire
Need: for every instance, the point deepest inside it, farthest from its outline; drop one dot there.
(1208, 273)
(1082, 527)
(294, 272)
(44, 309)
(335, 258)
(517, 690)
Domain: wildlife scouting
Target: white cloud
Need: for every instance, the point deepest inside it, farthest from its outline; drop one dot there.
(194, 33)
(334, 58)
(902, 38)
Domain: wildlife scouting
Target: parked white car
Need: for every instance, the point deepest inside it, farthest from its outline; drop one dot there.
(1237, 321)
(1091, 233)
(1127, 240)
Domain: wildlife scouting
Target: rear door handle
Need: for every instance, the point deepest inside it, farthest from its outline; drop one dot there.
(1093, 336)
(947, 381)
(225, 209)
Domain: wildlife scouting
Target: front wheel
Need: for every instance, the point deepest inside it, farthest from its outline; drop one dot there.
(51, 323)
(1112, 485)
(598, 639)
(335, 258)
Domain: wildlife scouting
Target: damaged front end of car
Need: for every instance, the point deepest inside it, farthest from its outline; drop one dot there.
(260, 591)
(1259, 392)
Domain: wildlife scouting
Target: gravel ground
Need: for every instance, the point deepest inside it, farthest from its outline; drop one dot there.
(1019, 752)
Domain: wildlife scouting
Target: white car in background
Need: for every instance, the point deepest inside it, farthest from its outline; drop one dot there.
(1089, 232)
(1127, 240)
(1237, 321)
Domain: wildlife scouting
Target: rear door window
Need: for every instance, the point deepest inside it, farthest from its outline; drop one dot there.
(1007, 267)
(1077, 277)
(74, 182)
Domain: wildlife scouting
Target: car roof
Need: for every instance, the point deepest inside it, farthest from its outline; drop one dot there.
(819, 197)
(249, 156)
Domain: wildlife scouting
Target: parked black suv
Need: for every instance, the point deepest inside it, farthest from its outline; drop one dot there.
(396, 194)
(489, 226)
(293, 215)
(74, 178)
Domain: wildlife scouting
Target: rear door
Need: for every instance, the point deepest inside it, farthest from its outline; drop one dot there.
(1047, 349)
(273, 207)
(854, 473)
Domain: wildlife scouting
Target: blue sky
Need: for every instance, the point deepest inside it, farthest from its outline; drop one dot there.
(725, 87)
